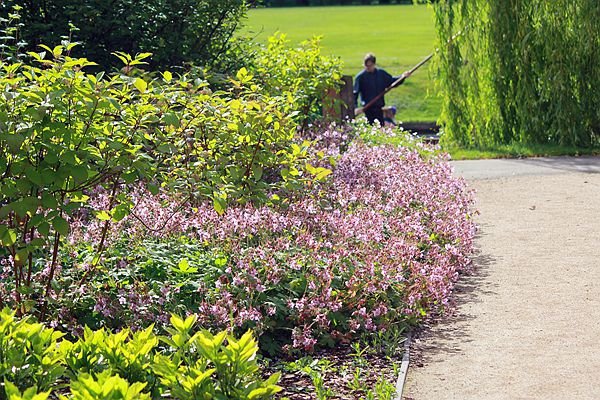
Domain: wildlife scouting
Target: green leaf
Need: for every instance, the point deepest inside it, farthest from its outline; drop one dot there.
(242, 74)
(8, 237)
(21, 256)
(35, 177)
(171, 119)
(26, 206)
(120, 212)
(219, 205)
(79, 173)
(44, 228)
(322, 173)
(140, 85)
(61, 225)
(152, 188)
(167, 76)
(130, 177)
(51, 158)
(257, 171)
(79, 198)
(49, 201)
(183, 267)
(103, 215)
(183, 264)
(15, 141)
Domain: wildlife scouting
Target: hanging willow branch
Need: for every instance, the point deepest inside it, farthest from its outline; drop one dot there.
(526, 72)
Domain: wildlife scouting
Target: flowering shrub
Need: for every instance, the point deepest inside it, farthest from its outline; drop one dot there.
(64, 132)
(381, 243)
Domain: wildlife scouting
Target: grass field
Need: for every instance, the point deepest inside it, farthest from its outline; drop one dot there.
(399, 35)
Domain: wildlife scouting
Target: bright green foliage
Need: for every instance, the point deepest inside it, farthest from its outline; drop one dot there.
(106, 386)
(64, 132)
(126, 365)
(521, 71)
(304, 74)
(29, 354)
(202, 356)
(176, 31)
(13, 393)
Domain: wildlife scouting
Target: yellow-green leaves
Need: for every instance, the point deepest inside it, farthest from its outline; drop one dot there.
(183, 325)
(13, 392)
(8, 237)
(183, 267)
(243, 76)
(319, 173)
(140, 85)
(106, 386)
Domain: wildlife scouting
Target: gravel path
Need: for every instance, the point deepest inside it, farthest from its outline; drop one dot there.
(527, 324)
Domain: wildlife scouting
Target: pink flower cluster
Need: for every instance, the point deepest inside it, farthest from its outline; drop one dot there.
(382, 242)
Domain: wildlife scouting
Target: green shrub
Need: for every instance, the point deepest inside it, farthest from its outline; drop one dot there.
(302, 74)
(64, 132)
(189, 365)
(29, 353)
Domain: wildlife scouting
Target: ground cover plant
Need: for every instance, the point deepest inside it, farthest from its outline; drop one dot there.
(380, 244)
(400, 36)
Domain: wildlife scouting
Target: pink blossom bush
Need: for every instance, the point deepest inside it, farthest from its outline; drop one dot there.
(381, 243)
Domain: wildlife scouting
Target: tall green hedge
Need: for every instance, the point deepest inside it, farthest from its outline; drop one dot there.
(175, 31)
(294, 3)
(520, 71)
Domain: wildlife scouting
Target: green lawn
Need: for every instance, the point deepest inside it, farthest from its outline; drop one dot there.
(400, 36)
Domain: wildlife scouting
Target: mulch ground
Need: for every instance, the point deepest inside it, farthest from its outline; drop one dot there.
(345, 374)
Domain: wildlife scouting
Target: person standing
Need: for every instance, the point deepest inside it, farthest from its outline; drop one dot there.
(369, 83)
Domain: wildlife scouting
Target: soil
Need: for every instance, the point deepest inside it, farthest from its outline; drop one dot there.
(345, 374)
(527, 322)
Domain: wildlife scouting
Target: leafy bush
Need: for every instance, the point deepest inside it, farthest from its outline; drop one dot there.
(175, 32)
(65, 132)
(126, 365)
(303, 74)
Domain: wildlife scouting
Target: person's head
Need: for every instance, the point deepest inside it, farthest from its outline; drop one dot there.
(370, 61)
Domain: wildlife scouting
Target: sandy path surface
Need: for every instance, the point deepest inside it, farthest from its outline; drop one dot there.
(527, 324)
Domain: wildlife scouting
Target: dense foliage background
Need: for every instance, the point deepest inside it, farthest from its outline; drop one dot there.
(520, 71)
(197, 31)
(292, 3)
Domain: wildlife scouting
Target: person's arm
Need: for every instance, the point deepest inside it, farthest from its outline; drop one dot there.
(400, 78)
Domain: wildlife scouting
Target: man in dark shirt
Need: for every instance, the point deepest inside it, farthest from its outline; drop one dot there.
(370, 82)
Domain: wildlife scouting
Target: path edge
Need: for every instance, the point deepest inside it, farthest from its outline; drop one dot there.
(403, 368)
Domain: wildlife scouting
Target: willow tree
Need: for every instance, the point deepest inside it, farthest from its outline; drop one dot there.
(520, 71)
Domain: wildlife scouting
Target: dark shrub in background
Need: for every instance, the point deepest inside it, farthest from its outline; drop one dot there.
(175, 31)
